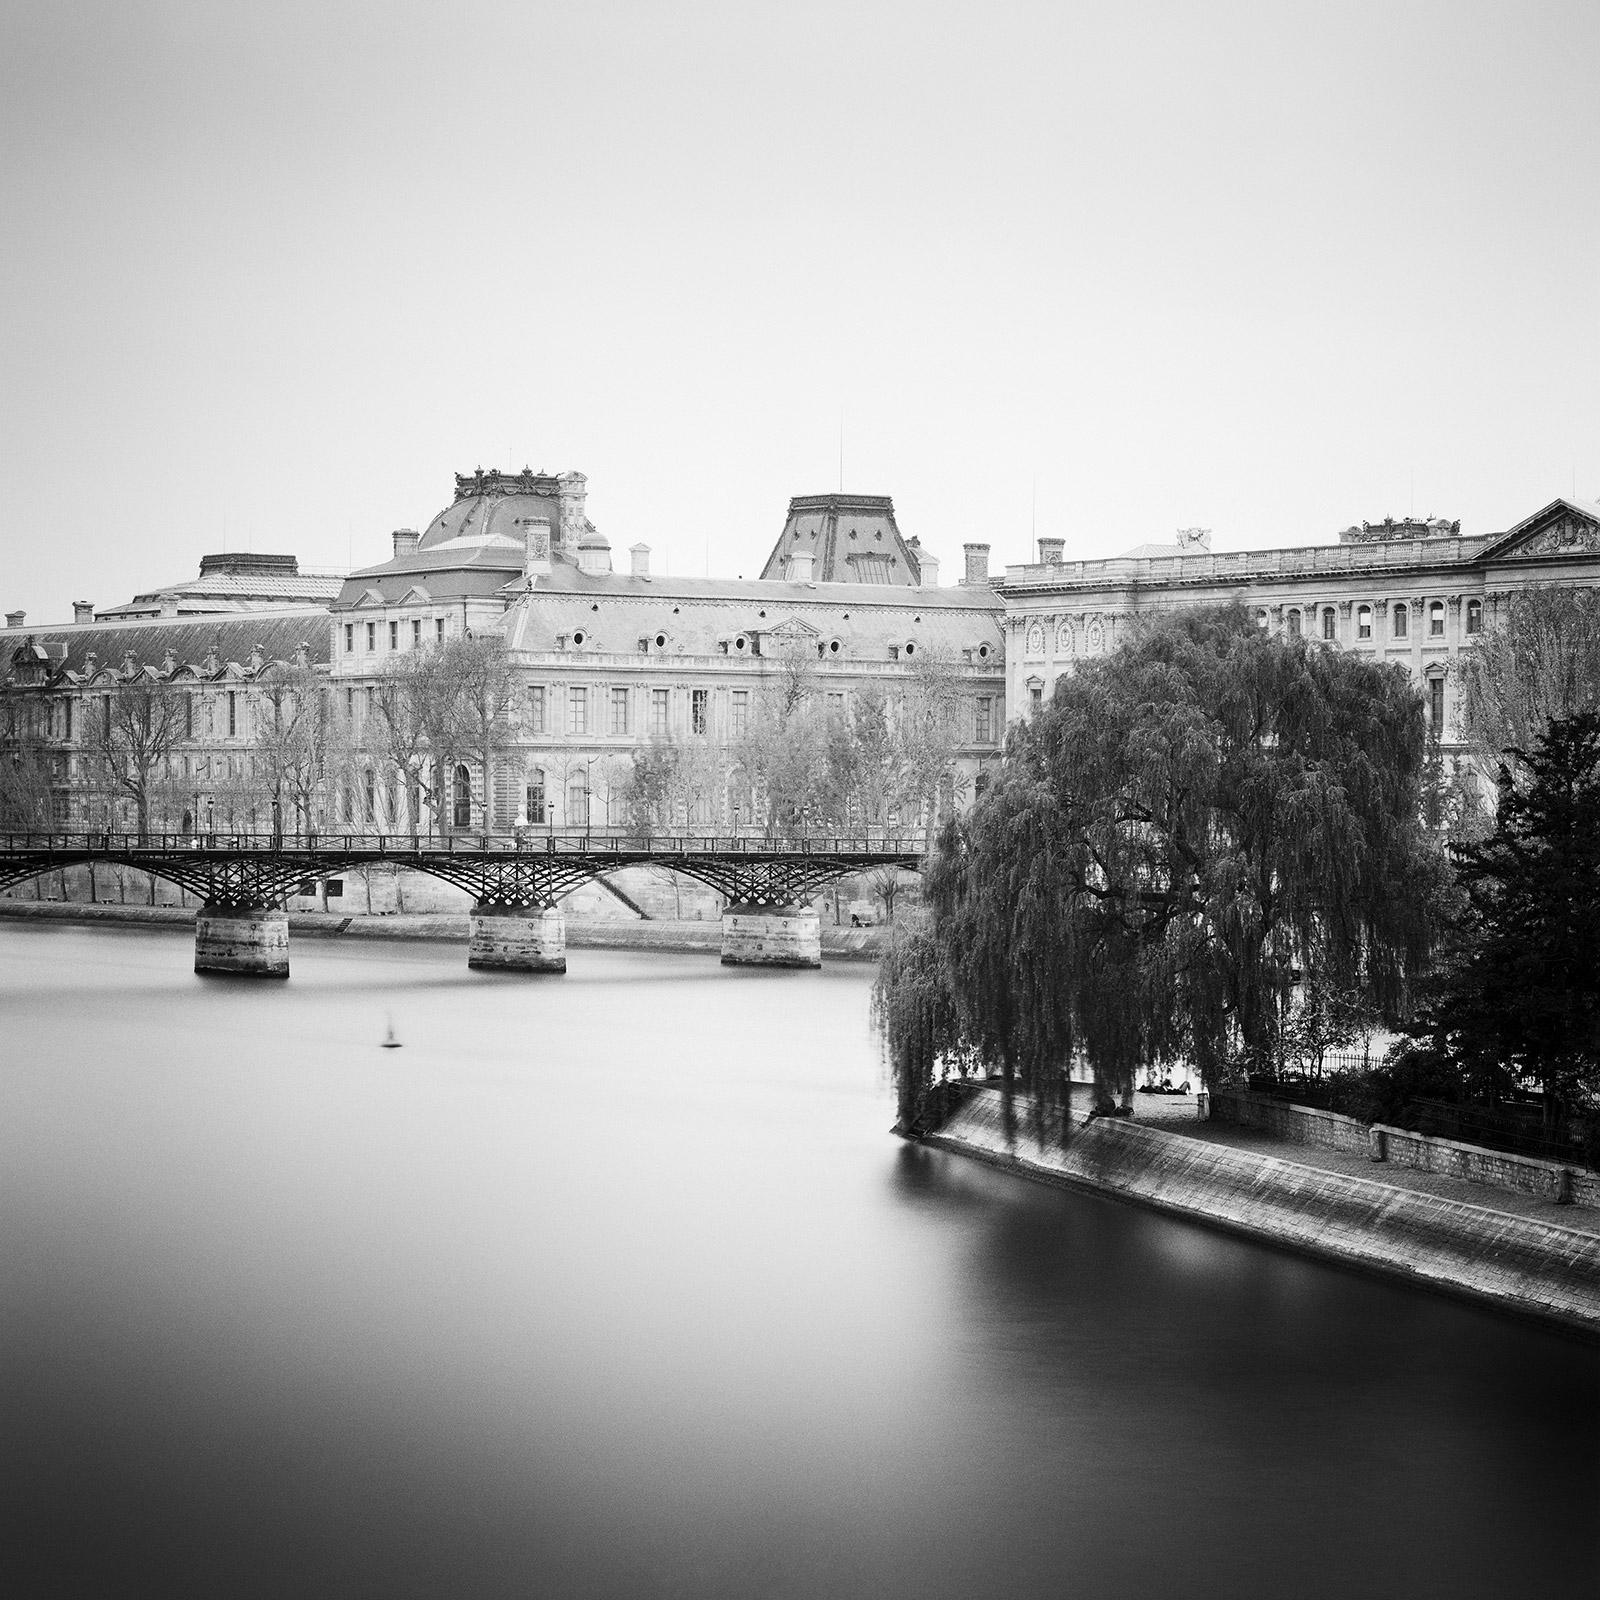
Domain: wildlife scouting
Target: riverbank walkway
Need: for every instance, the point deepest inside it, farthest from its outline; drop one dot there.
(1178, 1114)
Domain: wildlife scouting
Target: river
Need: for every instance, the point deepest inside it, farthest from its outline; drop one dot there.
(616, 1284)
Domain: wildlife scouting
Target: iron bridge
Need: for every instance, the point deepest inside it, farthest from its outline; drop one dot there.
(533, 868)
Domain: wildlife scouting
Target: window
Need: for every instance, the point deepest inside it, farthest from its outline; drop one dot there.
(372, 636)
(372, 698)
(619, 710)
(233, 714)
(394, 635)
(438, 629)
(739, 713)
(349, 637)
(1474, 616)
(1402, 621)
(658, 713)
(699, 713)
(188, 716)
(1327, 622)
(1363, 622)
(1436, 706)
(369, 796)
(836, 705)
(536, 795)
(984, 731)
(577, 710)
(349, 705)
(578, 803)
(461, 797)
(416, 633)
(1436, 620)
(536, 708)
(1035, 696)
(1294, 624)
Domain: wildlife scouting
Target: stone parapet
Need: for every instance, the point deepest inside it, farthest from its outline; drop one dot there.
(1544, 1180)
(516, 938)
(248, 941)
(1519, 1263)
(771, 936)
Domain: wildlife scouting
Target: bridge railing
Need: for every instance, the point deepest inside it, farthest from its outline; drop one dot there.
(391, 846)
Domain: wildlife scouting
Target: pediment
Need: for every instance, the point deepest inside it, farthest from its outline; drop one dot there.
(1562, 528)
(369, 598)
(793, 628)
(416, 595)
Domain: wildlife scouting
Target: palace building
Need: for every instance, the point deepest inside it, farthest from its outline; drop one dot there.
(608, 661)
(1414, 594)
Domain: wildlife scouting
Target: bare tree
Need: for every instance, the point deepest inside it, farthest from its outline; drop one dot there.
(480, 687)
(1541, 662)
(290, 744)
(139, 725)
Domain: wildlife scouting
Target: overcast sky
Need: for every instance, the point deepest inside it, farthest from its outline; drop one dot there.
(269, 275)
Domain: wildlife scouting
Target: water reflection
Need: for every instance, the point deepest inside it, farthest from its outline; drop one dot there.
(614, 1284)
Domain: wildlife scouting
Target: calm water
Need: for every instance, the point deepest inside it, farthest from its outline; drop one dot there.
(616, 1285)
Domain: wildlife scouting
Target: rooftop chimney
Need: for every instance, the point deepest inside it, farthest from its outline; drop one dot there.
(1050, 552)
(536, 547)
(83, 611)
(977, 563)
(641, 560)
(15, 619)
(405, 542)
(800, 565)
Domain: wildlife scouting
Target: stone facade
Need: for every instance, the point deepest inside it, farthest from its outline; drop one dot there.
(1412, 594)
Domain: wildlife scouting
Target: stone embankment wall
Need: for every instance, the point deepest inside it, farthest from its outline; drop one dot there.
(1516, 1262)
(1546, 1180)
(839, 944)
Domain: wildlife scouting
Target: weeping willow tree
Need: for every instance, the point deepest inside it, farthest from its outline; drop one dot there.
(1190, 827)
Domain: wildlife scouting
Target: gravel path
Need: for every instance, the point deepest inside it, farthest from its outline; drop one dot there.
(1177, 1114)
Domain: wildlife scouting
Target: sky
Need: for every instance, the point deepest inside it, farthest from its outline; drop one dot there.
(270, 275)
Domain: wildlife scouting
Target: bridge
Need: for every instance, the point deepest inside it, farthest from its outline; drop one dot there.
(243, 880)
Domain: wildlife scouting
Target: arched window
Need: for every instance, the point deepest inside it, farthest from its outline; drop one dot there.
(1363, 622)
(1436, 619)
(461, 798)
(1294, 624)
(1261, 618)
(1474, 616)
(1402, 620)
(1327, 622)
(535, 796)
(578, 803)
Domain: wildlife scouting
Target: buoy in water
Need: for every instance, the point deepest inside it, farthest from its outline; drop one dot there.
(389, 1040)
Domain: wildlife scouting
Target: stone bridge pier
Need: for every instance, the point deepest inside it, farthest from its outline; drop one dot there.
(241, 940)
(517, 936)
(771, 935)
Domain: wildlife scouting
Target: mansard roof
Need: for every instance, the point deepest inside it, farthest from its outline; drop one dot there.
(852, 538)
(697, 615)
(206, 645)
(239, 580)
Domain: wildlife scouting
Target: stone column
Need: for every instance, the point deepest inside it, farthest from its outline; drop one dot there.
(771, 936)
(252, 941)
(517, 936)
